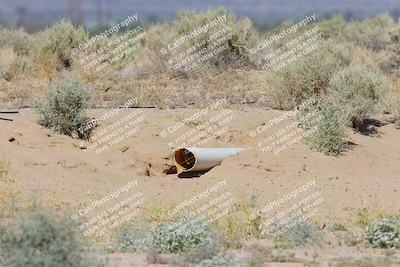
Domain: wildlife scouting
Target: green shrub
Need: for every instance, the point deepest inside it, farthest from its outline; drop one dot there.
(168, 239)
(13, 65)
(165, 238)
(391, 104)
(221, 259)
(329, 136)
(60, 39)
(41, 239)
(354, 93)
(332, 27)
(384, 233)
(197, 255)
(371, 33)
(308, 77)
(7, 63)
(63, 108)
(392, 62)
(21, 42)
(303, 234)
(243, 36)
(132, 240)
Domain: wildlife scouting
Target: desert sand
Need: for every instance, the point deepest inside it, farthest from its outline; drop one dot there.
(57, 170)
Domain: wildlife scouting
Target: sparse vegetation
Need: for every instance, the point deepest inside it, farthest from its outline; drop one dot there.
(7, 196)
(236, 226)
(4, 169)
(365, 262)
(362, 218)
(302, 234)
(208, 255)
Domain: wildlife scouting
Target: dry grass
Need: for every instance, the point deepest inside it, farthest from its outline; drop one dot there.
(8, 60)
(6, 188)
(5, 175)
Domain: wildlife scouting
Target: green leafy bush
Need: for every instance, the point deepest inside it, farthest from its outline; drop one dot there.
(329, 136)
(384, 233)
(165, 238)
(132, 240)
(63, 107)
(60, 39)
(168, 239)
(41, 239)
(309, 76)
(354, 93)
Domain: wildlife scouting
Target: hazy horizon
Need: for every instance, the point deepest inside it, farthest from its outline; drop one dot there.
(39, 13)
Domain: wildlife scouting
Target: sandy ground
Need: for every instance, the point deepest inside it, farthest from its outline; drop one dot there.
(294, 257)
(59, 171)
